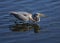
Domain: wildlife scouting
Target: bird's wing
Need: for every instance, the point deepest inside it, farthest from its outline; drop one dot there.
(21, 15)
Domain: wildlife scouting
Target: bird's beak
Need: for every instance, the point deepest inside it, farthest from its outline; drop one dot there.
(42, 15)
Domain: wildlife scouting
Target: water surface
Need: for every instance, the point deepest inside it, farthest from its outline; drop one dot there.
(50, 26)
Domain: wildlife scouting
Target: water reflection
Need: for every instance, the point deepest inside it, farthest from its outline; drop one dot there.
(22, 27)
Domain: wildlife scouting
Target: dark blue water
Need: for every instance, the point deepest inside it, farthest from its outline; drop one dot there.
(50, 26)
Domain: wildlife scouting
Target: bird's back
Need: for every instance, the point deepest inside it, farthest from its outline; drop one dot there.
(21, 15)
(20, 12)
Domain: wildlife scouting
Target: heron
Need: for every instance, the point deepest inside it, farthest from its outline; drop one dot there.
(25, 16)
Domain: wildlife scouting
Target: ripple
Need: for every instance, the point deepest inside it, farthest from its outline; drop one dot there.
(50, 26)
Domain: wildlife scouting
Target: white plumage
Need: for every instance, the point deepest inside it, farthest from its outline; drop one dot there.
(25, 16)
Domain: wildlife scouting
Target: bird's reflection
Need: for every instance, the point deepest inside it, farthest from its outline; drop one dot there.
(22, 27)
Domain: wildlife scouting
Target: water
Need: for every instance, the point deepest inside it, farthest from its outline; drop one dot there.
(50, 26)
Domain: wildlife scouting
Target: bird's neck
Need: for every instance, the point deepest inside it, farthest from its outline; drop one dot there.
(36, 18)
